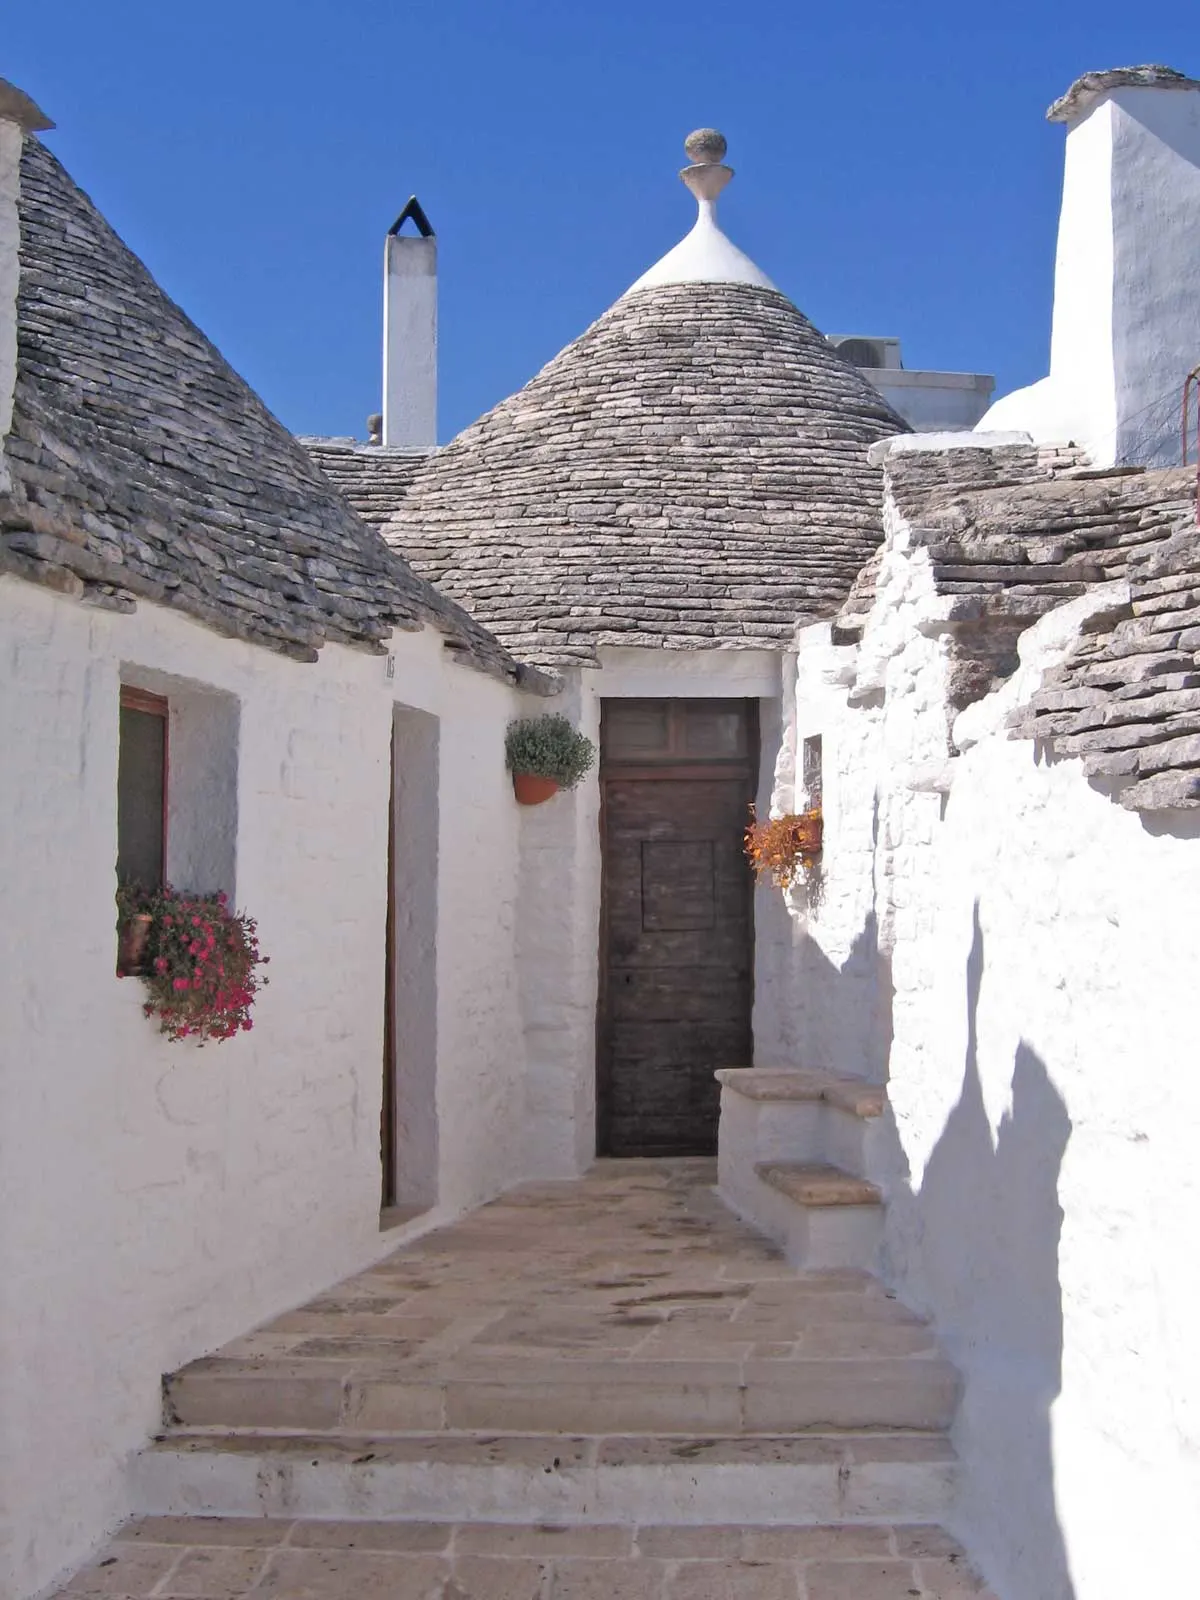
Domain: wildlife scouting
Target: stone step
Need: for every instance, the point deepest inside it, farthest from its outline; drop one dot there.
(236, 1558)
(810, 1478)
(797, 1114)
(817, 1184)
(854, 1386)
(806, 1084)
(821, 1216)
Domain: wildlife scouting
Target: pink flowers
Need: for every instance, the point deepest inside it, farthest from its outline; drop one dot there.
(204, 973)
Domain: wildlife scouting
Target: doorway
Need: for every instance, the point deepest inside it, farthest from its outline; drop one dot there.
(677, 934)
(408, 1124)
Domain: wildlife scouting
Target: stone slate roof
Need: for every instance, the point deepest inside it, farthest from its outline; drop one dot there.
(1009, 540)
(143, 466)
(1004, 539)
(373, 478)
(1127, 700)
(690, 473)
(948, 496)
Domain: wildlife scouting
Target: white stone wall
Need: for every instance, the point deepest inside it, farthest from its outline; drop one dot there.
(1156, 266)
(1045, 1202)
(157, 1199)
(558, 925)
(1026, 950)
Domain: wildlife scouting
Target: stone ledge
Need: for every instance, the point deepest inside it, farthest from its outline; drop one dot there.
(814, 1184)
(797, 1083)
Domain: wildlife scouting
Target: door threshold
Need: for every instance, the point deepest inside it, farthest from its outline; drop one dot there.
(396, 1216)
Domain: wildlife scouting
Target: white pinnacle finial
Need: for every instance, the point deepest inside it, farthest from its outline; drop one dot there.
(706, 177)
(705, 255)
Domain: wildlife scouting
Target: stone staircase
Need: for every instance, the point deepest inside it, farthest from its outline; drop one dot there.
(796, 1152)
(618, 1356)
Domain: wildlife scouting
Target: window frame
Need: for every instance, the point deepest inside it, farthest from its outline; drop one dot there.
(155, 705)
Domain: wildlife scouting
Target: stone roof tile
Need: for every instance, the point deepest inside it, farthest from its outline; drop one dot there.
(1127, 699)
(690, 472)
(1009, 540)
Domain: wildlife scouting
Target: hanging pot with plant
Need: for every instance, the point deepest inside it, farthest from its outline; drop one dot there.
(199, 960)
(786, 848)
(133, 932)
(544, 755)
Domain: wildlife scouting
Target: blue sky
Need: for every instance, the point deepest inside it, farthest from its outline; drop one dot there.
(895, 173)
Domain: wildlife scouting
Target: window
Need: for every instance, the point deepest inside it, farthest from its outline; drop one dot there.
(142, 789)
(811, 773)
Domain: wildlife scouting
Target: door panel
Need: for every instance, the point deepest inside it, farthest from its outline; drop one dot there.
(677, 944)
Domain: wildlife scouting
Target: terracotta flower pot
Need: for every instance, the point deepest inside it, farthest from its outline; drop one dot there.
(133, 937)
(531, 788)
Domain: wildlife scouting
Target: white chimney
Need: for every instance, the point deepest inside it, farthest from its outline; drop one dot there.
(18, 116)
(1126, 328)
(410, 333)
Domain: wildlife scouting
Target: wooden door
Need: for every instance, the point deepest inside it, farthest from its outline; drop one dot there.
(677, 940)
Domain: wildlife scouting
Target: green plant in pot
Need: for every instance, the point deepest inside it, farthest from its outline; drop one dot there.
(544, 755)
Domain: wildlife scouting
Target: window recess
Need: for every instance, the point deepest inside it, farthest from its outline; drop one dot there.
(142, 769)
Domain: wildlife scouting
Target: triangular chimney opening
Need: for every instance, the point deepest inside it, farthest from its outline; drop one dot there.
(413, 212)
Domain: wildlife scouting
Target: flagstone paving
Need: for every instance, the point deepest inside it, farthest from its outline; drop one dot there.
(628, 1301)
(592, 1389)
(222, 1559)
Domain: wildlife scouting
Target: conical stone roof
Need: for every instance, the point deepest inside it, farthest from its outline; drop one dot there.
(691, 472)
(143, 467)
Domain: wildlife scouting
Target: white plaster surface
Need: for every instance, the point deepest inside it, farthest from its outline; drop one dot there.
(1015, 953)
(1156, 266)
(518, 1490)
(705, 255)
(1126, 284)
(157, 1200)
(410, 342)
(931, 401)
(558, 926)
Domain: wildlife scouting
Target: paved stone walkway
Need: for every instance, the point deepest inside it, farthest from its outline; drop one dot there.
(228, 1560)
(611, 1356)
(629, 1301)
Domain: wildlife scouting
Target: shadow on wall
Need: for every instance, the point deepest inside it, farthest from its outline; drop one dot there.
(989, 1225)
(823, 1011)
(991, 1244)
(975, 1247)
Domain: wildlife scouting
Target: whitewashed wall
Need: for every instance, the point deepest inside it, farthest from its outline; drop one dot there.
(1030, 947)
(157, 1199)
(1126, 282)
